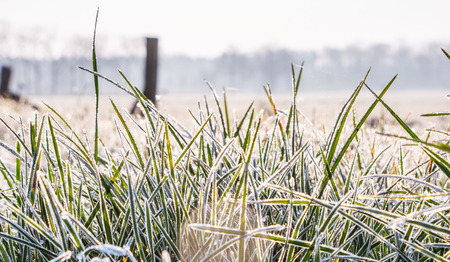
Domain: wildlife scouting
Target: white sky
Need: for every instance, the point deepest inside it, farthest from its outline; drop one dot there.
(207, 28)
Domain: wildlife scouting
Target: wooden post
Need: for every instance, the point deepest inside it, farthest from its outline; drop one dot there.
(6, 73)
(6, 93)
(4, 85)
(151, 71)
(151, 66)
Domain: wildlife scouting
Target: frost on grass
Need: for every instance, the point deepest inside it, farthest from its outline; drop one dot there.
(261, 187)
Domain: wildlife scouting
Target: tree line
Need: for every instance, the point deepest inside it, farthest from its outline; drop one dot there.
(329, 69)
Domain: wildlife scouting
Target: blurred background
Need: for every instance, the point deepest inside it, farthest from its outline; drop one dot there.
(240, 45)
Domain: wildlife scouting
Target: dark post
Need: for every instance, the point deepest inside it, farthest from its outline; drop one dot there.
(6, 73)
(4, 88)
(151, 65)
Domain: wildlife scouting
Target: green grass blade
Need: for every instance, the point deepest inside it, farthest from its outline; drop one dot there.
(130, 136)
(358, 126)
(149, 232)
(437, 145)
(243, 218)
(47, 253)
(94, 68)
(227, 118)
(446, 54)
(16, 134)
(216, 98)
(439, 161)
(141, 99)
(45, 232)
(134, 219)
(5, 255)
(239, 126)
(399, 120)
(188, 146)
(436, 114)
(76, 239)
(340, 122)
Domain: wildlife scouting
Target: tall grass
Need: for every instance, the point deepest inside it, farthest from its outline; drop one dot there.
(250, 189)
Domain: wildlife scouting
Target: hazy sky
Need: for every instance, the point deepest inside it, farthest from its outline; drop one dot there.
(208, 28)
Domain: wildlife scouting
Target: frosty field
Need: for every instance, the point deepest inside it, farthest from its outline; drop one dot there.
(304, 177)
(362, 175)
